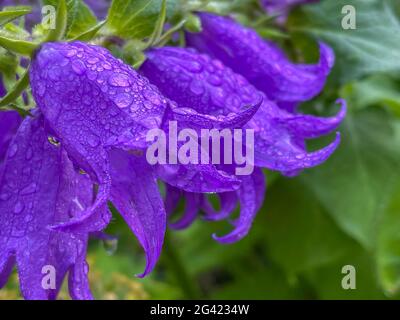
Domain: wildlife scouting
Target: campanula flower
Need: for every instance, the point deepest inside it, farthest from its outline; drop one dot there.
(83, 146)
(196, 81)
(261, 62)
(39, 188)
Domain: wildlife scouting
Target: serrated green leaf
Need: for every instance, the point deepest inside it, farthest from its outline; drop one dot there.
(9, 14)
(374, 46)
(136, 19)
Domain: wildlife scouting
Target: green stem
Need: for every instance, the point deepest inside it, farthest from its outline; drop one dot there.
(177, 267)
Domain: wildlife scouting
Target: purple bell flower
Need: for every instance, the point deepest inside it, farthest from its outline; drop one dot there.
(261, 62)
(39, 188)
(84, 146)
(202, 87)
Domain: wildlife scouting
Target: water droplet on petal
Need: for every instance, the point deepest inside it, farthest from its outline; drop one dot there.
(78, 67)
(123, 100)
(93, 60)
(13, 150)
(29, 154)
(29, 189)
(119, 80)
(93, 141)
(5, 196)
(197, 87)
(19, 207)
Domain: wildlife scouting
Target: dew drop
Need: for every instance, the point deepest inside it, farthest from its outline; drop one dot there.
(5, 196)
(93, 60)
(93, 141)
(197, 87)
(29, 189)
(19, 207)
(119, 80)
(123, 100)
(214, 80)
(78, 67)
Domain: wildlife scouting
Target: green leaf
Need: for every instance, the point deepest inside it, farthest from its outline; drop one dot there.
(79, 17)
(374, 46)
(327, 280)
(267, 283)
(9, 14)
(135, 19)
(18, 46)
(375, 90)
(300, 234)
(388, 247)
(8, 64)
(61, 23)
(357, 183)
(91, 33)
(16, 91)
(159, 26)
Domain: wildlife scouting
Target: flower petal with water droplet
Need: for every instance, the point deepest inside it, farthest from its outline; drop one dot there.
(261, 61)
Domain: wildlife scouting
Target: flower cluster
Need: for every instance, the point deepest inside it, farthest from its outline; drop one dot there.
(211, 88)
(84, 145)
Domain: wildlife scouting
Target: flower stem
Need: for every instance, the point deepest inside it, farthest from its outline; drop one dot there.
(177, 267)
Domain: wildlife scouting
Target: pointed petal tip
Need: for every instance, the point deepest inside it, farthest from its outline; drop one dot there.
(232, 237)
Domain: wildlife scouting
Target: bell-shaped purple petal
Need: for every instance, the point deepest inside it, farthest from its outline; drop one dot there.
(135, 194)
(39, 187)
(191, 177)
(192, 206)
(228, 203)
(9, 123)
(199, 83)
(279, 135)
(260, 61)
(251, 196)
(89, 100)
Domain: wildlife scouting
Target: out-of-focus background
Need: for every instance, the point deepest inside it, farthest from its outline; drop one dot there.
(345, 212)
